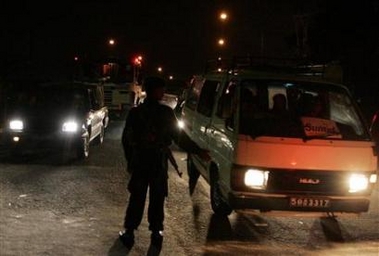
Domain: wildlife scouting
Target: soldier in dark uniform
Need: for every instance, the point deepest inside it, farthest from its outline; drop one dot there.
(149, 130)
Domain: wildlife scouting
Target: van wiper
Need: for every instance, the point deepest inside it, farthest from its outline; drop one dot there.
(255, 135)
(323, 136)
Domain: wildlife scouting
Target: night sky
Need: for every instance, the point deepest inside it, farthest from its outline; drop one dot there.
(179, 35)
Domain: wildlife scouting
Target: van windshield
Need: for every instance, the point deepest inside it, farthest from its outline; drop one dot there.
(298, 109)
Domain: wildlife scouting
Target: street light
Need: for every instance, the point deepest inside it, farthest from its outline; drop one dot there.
(223, 16)
(221, 41)
(111, 41)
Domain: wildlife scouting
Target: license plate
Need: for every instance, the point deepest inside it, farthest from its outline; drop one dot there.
(309, 202)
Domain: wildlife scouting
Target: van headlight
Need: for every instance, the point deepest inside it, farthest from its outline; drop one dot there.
(70, 126)
(358, 182)
(16, 125)
(256, 179)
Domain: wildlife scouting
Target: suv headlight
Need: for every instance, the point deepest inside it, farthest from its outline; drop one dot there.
(256, 179)
(70, 127)
(16, 124)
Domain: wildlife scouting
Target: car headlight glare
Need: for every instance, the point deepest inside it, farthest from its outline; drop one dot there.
(16, 125)
(256, 179)
(358, 182)
(181, 124)
(70, 126)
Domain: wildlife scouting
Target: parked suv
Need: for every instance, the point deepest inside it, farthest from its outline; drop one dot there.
(65, 116)
(283, 140)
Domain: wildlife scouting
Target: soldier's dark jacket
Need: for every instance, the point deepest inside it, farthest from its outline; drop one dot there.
(150, 129)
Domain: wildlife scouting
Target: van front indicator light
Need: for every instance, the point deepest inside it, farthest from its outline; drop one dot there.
(373, 178)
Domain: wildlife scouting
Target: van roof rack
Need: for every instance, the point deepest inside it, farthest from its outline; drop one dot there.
(248, 62)
(299, 67)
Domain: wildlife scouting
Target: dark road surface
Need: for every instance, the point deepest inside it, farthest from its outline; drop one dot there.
(77, 208)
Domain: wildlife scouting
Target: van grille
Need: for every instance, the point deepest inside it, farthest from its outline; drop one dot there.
(313, 182)
(297, 182)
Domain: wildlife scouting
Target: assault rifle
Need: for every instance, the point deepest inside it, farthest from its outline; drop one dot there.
(173, 161)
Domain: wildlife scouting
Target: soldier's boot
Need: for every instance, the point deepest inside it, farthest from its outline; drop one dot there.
(127, 238)
(157, 239)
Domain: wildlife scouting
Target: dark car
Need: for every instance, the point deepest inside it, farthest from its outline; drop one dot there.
(41, 117)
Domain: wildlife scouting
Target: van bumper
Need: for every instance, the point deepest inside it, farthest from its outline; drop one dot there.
(242, 202)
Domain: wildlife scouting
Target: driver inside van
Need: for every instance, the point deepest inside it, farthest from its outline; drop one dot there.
(317, 109)
(248, 111)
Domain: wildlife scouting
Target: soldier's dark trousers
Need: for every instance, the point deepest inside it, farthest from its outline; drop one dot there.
(134, 212)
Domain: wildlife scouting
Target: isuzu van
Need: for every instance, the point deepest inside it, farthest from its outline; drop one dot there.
(281, 141)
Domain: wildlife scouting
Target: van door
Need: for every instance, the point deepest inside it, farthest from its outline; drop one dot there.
(222, 133)
(188, 113)
(205, 108)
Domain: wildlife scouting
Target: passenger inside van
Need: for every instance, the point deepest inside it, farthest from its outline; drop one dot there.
(279, 108)
(312, 106)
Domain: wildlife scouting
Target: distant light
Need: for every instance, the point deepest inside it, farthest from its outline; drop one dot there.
(159, 69)
(288, 85)
(76, 58)
(111, 41)
(137, 60)
(221, 41)
(170, 77)
(223, 16)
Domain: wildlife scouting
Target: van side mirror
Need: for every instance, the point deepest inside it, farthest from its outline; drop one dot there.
(229, 123)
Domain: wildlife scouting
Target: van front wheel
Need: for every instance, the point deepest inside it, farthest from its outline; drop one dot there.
(219, 204)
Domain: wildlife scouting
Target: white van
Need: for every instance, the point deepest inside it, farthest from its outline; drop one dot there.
(314, 156)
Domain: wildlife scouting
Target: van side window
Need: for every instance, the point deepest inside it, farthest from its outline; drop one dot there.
(207, 97)
(194, 94)
(225, 104)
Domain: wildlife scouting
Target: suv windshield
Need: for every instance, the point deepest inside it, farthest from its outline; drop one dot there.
(298, 109)
(49, 98)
